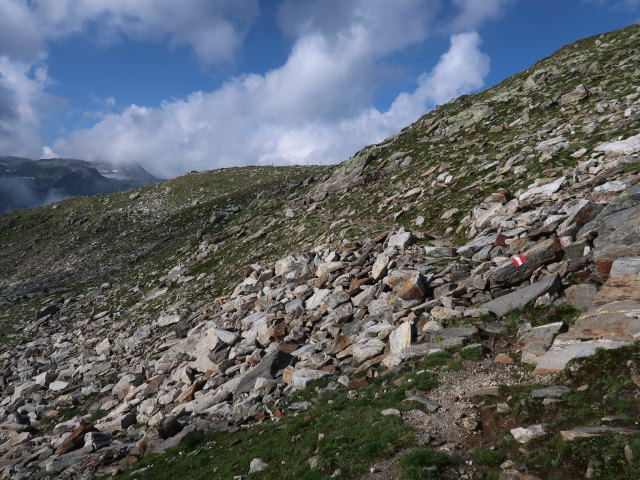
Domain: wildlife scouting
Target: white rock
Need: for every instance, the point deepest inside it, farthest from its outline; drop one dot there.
(317, 299)
(526, 434)
(624, 147)
(58, 385)
(329, 267)
(104, 347)
(400, 338)
(257, 465)
(379, 268)
(203, 347)
(367, 349)
(122, 388)
(165, 320)
(391, 411)
(401, 240)
(545, 190)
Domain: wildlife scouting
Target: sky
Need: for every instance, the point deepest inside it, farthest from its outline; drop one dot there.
(203, 84)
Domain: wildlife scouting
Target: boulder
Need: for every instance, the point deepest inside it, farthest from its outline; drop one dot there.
(623, 147)
(538, 255)
(618, 236)
(401, 240)
(623, 283)
(581, 296)
(299, 377)
(526, 434)
(542, 192)
(267, 368)
(400, 338)
(522, 297)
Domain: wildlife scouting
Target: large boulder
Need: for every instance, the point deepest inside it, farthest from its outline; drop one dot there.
(522, 297)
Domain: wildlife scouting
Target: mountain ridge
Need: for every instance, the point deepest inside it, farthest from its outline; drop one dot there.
(27, 183)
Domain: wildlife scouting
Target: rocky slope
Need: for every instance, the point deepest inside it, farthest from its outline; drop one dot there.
(434, 281)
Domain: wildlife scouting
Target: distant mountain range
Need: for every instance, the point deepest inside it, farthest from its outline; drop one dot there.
(26, 183)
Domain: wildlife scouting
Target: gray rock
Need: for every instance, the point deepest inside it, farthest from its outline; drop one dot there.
(430, 405)
(540, 254)
(556, 391)
(581, 296)
(267, 368)
(522, 297)
(401, 240)
(588, 432)
(96, 440)
(169, 427)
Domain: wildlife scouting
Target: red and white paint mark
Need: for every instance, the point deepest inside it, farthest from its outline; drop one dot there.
(518, 260)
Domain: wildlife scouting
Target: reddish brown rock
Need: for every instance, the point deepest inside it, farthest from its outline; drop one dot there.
(504, 359)
(581, 296)
(358, 383)
(75, 439)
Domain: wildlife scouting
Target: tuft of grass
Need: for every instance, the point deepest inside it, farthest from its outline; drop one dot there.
(474, 354)
(486, 457)
(423, 463)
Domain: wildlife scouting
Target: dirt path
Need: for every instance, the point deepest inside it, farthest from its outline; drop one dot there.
(450, 428)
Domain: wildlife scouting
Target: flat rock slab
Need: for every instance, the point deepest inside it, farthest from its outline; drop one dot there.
(623, 283)
(483, 392)
(614, 321)
(587, 432)
(564, 351)
(522, 297)
(581, 296)
(556, 391)
(618, 236)
(538, 340)
(430, 405)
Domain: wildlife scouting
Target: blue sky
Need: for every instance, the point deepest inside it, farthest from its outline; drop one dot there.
(201, 84)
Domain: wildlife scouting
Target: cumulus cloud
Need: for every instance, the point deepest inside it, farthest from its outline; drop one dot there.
(315, 108)
(22, 100)
(20, 36)
(214, 30)
(311, 110)
(473, 13)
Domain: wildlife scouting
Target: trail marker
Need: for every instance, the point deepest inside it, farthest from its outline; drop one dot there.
(518, 260)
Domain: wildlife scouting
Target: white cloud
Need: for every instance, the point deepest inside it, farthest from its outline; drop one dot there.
(616, 4)
(22, 100)
(474, 13)
(47, 152)
(315, 108)
(307, 111)
(20, 36)
(214, 30)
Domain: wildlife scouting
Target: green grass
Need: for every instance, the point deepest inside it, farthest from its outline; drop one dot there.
(486, 457)
(541, 315)
(610, 393)
(423, 463)
(346, 432)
